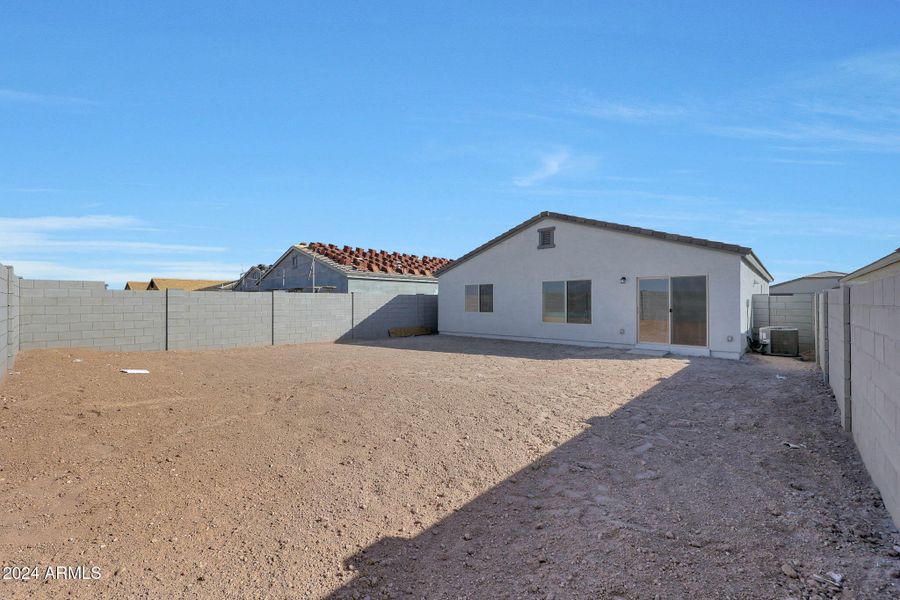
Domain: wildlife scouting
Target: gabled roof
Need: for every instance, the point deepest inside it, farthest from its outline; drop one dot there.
(189, 285)
(254, 270)
(366, 262)
(881, 263)
(823, 275)
(660, 235)
(819, 275)
(137, 285)
(376, 261)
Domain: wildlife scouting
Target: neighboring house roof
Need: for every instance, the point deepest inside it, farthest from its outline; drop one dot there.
(137, 285)
(255, 269)
(819, 275)
(362, 262)
(881, 263)
(660, 235)
(190, 285)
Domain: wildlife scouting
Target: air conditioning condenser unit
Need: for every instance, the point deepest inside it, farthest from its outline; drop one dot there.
(780, 341)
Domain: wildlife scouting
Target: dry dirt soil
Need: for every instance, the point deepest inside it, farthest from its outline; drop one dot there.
(433, 468)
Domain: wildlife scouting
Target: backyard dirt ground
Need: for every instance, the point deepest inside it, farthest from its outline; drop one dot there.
(432, 467)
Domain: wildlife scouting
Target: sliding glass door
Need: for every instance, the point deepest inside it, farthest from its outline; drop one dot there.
(672, 310)
(689, 311)
(653, 310)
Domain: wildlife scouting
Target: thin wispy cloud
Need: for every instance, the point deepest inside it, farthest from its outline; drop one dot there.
(39, 245)
(117, 274)
(31, 190)
(865, 87)
(850, 138)
(774, 223)
(22, 97)
(11, 225)
(587, 105)
(550, 165)
(631, 194)
(798, 262)
(846, 105)
(82, 249)
(803, 161)
(852, 104)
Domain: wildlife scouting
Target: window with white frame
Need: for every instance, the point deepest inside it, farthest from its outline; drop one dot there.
(566, 301)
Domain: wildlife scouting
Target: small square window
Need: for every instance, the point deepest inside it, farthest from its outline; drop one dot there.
(480, 298)
(545, 238)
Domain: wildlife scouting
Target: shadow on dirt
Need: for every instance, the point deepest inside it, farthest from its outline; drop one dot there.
(489, 347)
(687, 491)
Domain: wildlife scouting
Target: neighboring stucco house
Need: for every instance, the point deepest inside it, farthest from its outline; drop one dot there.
(564, 279)
(189, 285)
(808, 284)
(249, 281)
(886, 266)
(342, 269)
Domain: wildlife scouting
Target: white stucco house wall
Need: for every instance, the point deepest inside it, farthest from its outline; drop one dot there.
(563, 279)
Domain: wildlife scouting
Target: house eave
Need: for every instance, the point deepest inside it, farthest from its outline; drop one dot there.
(745, 252)
(388, 277)
(886, 261)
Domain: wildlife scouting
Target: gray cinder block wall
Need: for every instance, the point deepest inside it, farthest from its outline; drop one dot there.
(61, 314)
(202, 320)
(793, 310)
(13, 315)
(863, 346)
(4, 321)
(58, 314)
(375, 313)
(301, 318)
(9, 319)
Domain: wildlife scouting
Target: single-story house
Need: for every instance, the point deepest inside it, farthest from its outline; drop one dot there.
(189, 285)
(564, 279)
(318, 267)
(886, 266)
(249, 281)
(136, 286)
(808, 284)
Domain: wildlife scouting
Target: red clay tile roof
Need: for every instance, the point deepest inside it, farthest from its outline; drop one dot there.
(377, 261)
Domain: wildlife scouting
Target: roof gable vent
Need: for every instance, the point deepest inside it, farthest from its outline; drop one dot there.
(546, 238)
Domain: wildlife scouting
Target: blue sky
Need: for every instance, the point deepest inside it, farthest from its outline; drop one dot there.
(194, 139)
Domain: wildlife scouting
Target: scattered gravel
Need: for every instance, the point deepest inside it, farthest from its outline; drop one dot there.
(434, 467)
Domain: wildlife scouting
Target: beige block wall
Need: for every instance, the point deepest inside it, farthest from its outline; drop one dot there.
(875, 382)
(838, 335)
